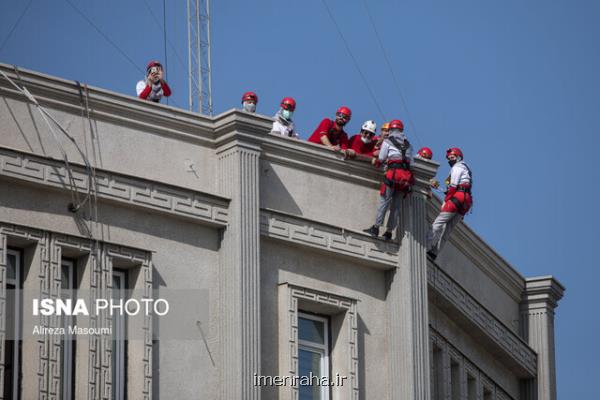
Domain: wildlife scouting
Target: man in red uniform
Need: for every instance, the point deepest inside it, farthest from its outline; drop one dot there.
(154, 87)
(364, 143)
(331, 133)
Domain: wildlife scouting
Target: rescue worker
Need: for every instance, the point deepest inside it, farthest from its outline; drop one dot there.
(385, 132)
(153, 87)
(364, 142)
(396, 153)
(425, 152)
(283, 124)
(331, 133)
(249, 102)
(457, 202)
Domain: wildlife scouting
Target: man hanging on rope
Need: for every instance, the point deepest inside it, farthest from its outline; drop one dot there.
(331, 133)
(396, 153)
(457, 202)
(154, 87)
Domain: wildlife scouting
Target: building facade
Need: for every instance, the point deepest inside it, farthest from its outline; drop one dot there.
(101, 193)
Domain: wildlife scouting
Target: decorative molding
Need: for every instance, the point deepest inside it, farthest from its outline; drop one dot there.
(305, 232)
(128, 190)
(483, 320)
(343, 304)
(467, 368)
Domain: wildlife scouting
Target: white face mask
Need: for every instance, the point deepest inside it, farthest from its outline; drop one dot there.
(365, 139)
(287, 114)
(249, 107)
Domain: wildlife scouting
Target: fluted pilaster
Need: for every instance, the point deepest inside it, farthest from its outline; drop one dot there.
(408, 304)
(540, 298)
(240, 271)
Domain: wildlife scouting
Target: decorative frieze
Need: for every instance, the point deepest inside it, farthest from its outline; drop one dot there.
(115, 187)
(483, 320)
(304, 232)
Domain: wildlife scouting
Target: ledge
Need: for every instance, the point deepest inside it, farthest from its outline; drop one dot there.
(334, 240)
(481, 323)
(206, 208)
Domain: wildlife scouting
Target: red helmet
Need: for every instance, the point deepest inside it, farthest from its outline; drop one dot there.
(425, 152)
(288, 103)
(345, 110)
(250, 96)
(153, 63)
(454, 150)
(396, 124)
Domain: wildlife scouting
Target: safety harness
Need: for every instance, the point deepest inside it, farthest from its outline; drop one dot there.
(399, 176)
(466, 189)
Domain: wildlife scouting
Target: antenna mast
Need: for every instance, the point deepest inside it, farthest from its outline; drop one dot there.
(199, 64)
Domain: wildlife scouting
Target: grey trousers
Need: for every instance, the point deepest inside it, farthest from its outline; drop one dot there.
(441, 229)
(391, 200)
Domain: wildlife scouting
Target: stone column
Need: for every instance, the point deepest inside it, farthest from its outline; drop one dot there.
(540, 298)
(238, 153)
(407, 296)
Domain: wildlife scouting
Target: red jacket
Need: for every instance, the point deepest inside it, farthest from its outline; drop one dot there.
(339, 138)
(355, 143)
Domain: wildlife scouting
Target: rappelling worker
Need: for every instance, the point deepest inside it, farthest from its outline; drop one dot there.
(153, 87)
(456, 204)
(331, 133)
(396, 154)
(364, 142)
(283, 124)
(249, 102)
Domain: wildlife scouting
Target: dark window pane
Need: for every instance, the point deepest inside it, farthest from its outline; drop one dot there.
(309, 361)
(310, 330)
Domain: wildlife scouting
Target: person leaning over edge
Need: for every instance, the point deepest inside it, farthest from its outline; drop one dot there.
(331, 133)
(396, 153)
(364, 142)
(283, 124)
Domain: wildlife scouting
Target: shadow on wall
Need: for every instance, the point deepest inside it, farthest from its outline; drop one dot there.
(274, 194)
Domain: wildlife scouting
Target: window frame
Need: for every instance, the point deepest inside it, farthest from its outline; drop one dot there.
(322, 349)
(68, 345)
(119, 354)
(17, 283)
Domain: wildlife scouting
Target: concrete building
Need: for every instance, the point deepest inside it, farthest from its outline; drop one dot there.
(270, 227)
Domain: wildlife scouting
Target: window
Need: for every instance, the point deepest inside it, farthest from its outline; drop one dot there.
(119, 351)
(68, 343)
(313, 356)
(12, 346)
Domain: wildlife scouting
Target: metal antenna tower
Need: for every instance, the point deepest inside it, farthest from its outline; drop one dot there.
(199, 66)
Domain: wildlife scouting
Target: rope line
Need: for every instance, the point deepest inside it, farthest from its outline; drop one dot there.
(15, 25)
(364, 79)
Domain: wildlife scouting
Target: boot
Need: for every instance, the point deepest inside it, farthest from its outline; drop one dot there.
(387, 235)
(373, 231)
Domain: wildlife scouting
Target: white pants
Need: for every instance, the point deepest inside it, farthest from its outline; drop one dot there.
(441, 229)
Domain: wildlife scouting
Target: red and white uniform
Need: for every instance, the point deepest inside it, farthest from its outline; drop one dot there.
(326, 127)
(153, 92)
(355, 143)
(457, 203)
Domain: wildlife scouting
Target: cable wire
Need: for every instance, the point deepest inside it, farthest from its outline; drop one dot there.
(112, 43)
(389, 65)
(165, 40)
(15, 26)
(354, 60)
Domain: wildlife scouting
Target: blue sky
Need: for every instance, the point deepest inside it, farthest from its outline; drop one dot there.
(515, 84)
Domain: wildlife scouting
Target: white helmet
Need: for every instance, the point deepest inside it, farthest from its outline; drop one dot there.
(369, 126)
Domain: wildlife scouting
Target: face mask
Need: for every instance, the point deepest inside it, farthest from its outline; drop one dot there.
(451, 162)
(249, 107)
(365, 139)
(287, 114)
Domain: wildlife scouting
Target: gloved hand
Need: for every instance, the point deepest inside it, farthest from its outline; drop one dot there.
(434, 183)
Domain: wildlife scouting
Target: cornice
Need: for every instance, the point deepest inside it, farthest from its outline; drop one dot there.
(480, 322)
(47, 172)
(542, 291)
(335, 240)
(104, 105)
